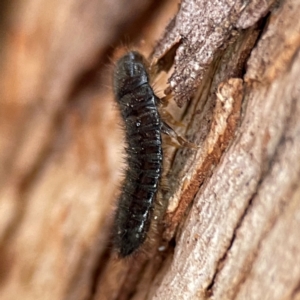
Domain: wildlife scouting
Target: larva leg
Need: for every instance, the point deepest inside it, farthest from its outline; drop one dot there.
(166, 129)
(171, 142)
(164, 101)
(165, 115)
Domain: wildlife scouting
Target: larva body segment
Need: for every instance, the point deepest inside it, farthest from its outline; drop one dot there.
(138, 106)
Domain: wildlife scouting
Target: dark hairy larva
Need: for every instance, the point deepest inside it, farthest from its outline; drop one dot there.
(138, 105)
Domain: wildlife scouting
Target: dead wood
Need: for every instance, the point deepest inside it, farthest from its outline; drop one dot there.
(231, 227)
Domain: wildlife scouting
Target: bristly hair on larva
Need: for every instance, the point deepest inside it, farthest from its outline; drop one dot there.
(143, 127)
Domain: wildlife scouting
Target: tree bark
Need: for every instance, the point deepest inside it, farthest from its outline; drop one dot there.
(230, 229)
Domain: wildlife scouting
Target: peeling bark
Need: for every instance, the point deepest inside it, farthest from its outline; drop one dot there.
(232, 219)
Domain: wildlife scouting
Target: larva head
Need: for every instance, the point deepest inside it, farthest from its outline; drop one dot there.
(130, 73)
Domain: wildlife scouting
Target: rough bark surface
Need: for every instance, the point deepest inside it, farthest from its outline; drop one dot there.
(231, 225)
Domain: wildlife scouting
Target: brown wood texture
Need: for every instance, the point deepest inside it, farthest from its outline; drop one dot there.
(231, 229)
